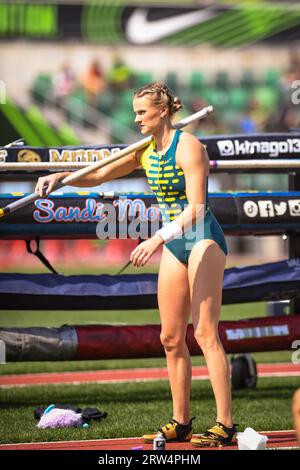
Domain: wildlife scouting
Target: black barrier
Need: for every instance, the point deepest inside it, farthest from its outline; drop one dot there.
(84, 215)
(236, 147)
(294, 242)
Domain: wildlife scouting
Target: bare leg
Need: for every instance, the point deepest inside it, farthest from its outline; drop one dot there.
(296, 412)
(206, 268)
(174, 307)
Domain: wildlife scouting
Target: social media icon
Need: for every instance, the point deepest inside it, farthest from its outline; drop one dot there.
(266, 209)
(250, 208)
(294, 206)
(281, 208)
(226, 147)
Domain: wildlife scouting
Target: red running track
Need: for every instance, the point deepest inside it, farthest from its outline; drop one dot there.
(131, 375)
(276, 440)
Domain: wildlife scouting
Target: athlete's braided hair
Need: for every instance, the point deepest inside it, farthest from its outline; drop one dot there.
(162, 96)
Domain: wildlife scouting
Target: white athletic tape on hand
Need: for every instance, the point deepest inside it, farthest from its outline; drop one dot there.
(170, 231)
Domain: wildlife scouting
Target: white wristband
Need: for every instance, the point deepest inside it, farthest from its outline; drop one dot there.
(170, 231)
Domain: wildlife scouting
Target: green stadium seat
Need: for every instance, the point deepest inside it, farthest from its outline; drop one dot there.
(75, 107)
(196, 81)
(187, 97)
(267, 97)
(238, 98)
(247, 79)
(272, 78)
(122, 121)
(42, 88)
(215, 97)
(222, 81)
(207, 94)
(142, 78)
(126, 99)
(171, 80)
(219, 99)
(106, 102)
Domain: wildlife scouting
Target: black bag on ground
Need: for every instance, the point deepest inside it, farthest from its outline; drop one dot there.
(88, 414)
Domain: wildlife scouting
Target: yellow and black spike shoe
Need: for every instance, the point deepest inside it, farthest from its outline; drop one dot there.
(217, 436)
(173, 432)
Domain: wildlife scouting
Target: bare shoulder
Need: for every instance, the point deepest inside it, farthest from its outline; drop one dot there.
(188, 138)
(190, 145)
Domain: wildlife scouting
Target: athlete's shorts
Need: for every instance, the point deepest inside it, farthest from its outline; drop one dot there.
(210, 229)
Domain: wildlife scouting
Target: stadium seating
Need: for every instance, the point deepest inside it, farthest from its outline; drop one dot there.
(222, 91)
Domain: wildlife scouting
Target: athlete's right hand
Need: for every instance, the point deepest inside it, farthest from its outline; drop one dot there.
(47, 183)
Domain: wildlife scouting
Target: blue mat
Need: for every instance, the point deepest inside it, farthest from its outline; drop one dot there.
(272, 281)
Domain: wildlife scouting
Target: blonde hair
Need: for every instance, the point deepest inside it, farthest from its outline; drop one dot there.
(162, 96)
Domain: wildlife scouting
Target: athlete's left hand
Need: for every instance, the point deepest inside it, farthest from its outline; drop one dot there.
(143, 252)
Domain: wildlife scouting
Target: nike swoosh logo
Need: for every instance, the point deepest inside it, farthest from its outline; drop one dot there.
(139, 30)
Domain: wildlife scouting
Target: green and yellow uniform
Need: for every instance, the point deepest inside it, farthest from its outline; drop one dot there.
(167, 182)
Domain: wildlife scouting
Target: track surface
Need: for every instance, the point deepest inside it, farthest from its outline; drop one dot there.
(131, 375)
(276, 440)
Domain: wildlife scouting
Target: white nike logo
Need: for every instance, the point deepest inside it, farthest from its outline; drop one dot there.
(139, 30)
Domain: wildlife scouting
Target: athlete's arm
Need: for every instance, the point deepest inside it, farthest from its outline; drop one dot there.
(117, 169)
(114, 170)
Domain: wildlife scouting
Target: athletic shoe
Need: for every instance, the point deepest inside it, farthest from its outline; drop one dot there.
(173, 431)
(218, 436)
